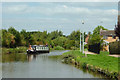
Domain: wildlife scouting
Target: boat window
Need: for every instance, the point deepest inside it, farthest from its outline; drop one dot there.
(40, 48)
(36, 47)
(33, 47)
(43, 48)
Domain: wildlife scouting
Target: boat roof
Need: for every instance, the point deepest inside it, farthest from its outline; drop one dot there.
(39, 45)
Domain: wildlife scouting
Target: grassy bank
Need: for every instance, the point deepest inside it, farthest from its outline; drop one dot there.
(102, 63)
(14, 54)
(14, 50)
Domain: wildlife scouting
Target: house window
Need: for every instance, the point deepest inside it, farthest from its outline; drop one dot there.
(105, 37)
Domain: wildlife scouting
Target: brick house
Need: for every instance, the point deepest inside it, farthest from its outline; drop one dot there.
(86, 39)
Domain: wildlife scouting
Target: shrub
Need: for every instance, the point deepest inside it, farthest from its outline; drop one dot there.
(58, 48)
(114, 47)
(73, 48)
(84, 65)
(86, 46)
(94, 48)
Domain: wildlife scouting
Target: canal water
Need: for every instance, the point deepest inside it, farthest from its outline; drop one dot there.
(40, 66)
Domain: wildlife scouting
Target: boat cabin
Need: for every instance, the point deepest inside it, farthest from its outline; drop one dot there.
(38, 49)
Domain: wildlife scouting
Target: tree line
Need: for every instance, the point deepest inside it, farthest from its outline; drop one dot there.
(12, 38)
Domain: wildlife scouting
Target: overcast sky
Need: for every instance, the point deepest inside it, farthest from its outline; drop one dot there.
(65, 16)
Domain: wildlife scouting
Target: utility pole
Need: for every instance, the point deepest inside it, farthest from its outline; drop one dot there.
(83, 42)
(83, 38)
(80, 41)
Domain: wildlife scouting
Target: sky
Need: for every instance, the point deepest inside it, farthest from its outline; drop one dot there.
(64, 16)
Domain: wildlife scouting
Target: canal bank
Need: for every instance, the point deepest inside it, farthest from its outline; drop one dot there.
(101, 63)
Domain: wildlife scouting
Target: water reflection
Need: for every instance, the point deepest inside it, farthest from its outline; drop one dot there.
(30, 57)
(33, 57)
(14, 57)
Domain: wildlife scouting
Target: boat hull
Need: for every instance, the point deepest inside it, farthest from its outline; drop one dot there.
(36, 52)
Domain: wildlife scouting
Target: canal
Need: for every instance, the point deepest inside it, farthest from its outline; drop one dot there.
(41, 66)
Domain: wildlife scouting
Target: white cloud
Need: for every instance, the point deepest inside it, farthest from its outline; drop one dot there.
(15, 9)
(61, 9)
(65, 6)
(106, 19)
(64, 15)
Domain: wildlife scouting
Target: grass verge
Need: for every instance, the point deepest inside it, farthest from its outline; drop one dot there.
(101, 62)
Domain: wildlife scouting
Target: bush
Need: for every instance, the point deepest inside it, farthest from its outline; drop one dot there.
(73, 48)
(14, 50)
(86, 46)
(94, 48)
(114, 47)
(58, 48)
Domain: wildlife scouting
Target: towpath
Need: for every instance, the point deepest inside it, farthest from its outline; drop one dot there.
(87, 52)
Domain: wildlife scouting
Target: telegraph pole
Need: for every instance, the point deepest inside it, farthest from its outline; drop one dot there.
(83, 39)
(80, 41)
(83, 42)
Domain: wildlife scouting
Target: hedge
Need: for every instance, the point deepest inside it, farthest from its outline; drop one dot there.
(114, 47)
(94, 48)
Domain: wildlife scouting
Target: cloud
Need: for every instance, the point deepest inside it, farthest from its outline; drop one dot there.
(65, 6)
(65, 16)
(61, 9)
(15, 9)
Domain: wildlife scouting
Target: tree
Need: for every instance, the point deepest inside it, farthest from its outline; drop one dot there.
(55, 34)
(16, 34)
(23, 35)
(97, 30)
(0, 38)
(69, 43)
(75, 35)
(95, 38)
(60, 41)
(8, 39)
(117, 30)
(14, 38)
(23, 32)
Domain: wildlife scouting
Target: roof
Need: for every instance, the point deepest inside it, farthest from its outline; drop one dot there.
(107, 32)
(39, 45)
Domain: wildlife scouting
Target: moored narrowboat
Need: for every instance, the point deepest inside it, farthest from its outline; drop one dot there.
(38, 49)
